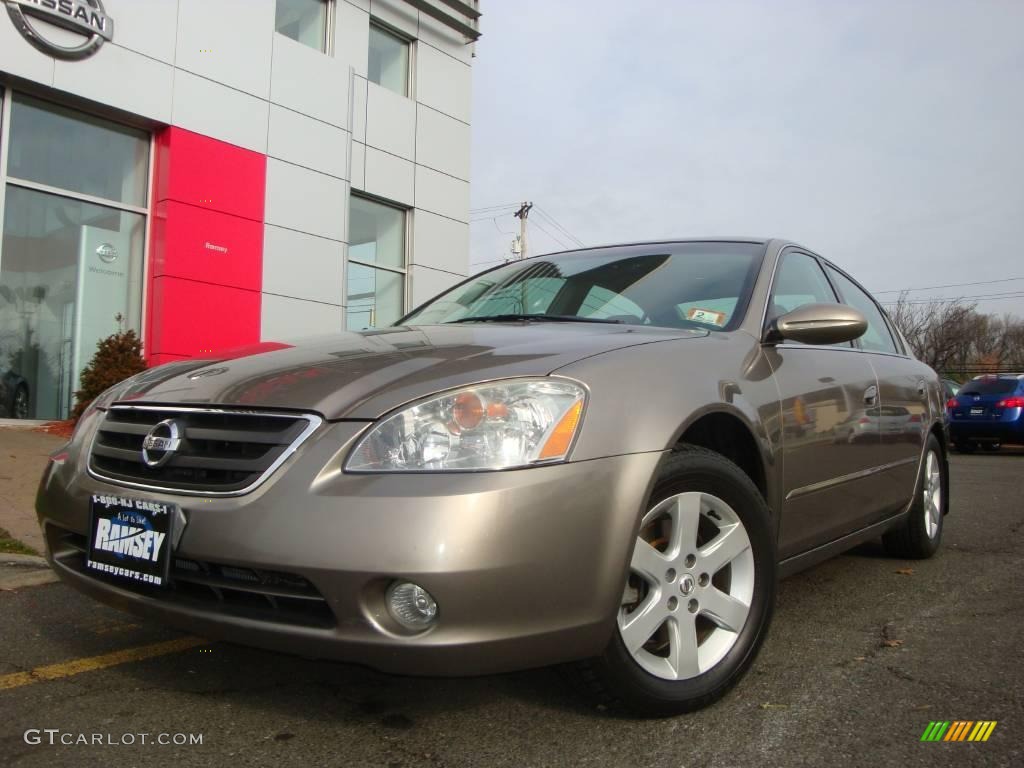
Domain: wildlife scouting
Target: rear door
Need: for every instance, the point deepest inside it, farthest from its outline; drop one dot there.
(902, 396)
(828, 441)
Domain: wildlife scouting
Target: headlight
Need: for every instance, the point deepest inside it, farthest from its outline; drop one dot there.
(513, 423)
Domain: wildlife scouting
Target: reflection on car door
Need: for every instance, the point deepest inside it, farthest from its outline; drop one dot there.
(829, 444)
(903, 396)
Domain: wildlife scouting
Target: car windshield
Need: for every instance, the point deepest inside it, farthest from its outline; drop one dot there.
(989, 387)
(676, 285)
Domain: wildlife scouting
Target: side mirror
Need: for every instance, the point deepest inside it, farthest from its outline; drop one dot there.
(818, 324)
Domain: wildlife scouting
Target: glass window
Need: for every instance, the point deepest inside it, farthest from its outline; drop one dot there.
(989, 386)
(67, 268)
(877, 337)
(304, 21)
(376, 297)
(377, 233)
(376, 268)
(798, 281)
(685, 285)
(389, 60)
(60, 147)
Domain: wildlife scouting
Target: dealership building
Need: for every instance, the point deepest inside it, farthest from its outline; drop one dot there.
(223, 172)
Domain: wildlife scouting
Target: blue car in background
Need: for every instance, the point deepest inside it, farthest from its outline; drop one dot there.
(987, 411)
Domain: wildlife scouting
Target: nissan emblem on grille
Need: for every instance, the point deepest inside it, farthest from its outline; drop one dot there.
(161, 443)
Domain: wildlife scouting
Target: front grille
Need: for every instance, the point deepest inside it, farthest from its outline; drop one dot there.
(222, 452)
(251, 593)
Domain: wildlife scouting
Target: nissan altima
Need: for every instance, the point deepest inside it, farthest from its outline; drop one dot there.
(603, 458)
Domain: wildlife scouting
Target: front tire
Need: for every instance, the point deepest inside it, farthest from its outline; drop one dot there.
(919, 536)
(699, 594)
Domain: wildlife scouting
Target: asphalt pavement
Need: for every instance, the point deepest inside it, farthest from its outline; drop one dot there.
(863, 653)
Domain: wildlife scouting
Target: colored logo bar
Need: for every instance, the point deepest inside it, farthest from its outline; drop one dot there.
(959, 730)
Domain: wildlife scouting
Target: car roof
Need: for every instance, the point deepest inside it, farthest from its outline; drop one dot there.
(662, 241)
(998, 376)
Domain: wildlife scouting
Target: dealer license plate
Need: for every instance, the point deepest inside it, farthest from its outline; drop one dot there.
(130, 538)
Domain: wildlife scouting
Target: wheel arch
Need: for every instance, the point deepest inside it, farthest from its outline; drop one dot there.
(728, 432)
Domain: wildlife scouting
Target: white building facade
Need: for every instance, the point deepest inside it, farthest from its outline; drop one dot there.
(221, 173)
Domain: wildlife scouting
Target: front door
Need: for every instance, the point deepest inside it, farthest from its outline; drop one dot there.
(829, 438)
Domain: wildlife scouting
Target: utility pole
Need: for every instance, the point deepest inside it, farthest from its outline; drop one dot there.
(522, 214)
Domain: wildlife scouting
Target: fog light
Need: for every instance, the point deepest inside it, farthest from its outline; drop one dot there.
(411, 605)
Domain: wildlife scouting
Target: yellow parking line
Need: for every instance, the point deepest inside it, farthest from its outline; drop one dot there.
(92, 663)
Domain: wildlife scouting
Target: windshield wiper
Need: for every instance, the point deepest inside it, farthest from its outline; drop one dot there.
(539, 318)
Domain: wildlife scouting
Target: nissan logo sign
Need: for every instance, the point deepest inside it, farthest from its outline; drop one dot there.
(84, 17)
(161, 443)
(107, 253)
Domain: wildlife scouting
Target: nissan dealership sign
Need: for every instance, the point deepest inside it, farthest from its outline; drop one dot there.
(86, 18)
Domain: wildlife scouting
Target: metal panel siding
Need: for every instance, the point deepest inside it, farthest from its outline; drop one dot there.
(390, 121)
(228, 41)
(306, 201)
(223, 113)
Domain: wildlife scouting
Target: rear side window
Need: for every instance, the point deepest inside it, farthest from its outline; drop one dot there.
(989, 387)
(877, 337)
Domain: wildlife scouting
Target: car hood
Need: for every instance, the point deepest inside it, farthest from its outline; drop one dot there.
(364, 375)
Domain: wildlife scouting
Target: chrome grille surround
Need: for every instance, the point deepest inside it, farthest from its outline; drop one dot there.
(220, 453)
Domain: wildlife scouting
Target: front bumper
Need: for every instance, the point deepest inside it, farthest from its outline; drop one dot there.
(527, 566)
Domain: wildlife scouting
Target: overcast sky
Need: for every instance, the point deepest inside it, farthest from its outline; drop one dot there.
(888, 136)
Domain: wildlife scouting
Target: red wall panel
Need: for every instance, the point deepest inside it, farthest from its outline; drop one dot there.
(202, 318)
(212, 174)
(206, 247)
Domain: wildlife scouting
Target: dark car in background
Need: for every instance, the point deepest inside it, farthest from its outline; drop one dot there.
(14, 396)
(987, 411)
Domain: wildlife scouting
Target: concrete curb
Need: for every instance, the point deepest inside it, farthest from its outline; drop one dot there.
(7, 558)
(17, 571)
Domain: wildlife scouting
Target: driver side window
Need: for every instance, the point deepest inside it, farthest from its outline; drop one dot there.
(799, 280)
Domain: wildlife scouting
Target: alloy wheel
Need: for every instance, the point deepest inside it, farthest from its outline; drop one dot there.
(690, 587)
(932, 494)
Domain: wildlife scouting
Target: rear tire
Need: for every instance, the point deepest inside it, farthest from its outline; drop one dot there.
(919, 536)
(964, 448)
(695, 613)
(992, 447)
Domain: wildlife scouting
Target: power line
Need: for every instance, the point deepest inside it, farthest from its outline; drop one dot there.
(492, 207)
(548, 217)
(950, 285)
(553, 236)
(979, 297)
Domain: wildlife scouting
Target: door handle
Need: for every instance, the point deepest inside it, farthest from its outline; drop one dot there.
(871, 395)
(921, 389)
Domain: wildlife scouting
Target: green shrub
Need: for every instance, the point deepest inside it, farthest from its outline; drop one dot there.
(117, 357)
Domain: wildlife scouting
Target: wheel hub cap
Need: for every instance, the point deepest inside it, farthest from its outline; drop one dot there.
(687, 584)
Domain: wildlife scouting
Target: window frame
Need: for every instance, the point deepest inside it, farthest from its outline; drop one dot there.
(410, 64)
(406, 248)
